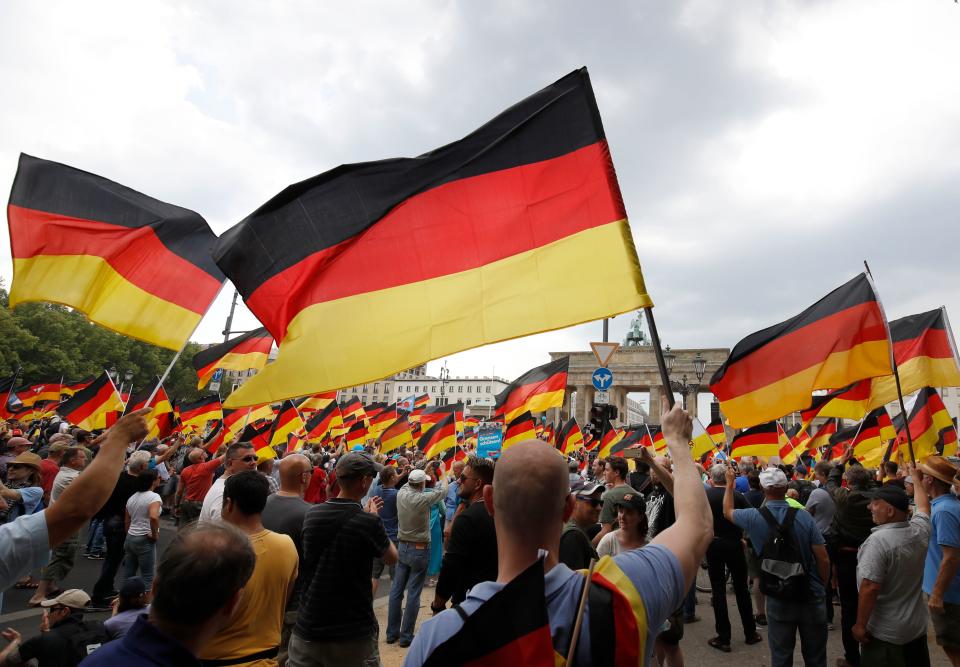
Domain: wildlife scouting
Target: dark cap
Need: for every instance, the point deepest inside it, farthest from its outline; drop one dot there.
(357, 464)
(892, 494)
(133, 587)
(584, 488)
(633, 501)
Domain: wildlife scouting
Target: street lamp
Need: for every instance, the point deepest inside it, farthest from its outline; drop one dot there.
(444, 378)
(683, 386)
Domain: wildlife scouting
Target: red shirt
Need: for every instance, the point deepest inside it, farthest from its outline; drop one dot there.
(197, 479)
(48, 471)
(317, 489)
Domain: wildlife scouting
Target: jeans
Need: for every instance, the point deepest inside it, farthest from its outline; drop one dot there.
(690, 602)
(411, 572)
(95, 539)
(723, 555)
(784, 619)
(114, 535)
(140, 553)
(849, 601)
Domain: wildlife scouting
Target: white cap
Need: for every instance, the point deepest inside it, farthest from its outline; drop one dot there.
(772, 477)
(417, 476)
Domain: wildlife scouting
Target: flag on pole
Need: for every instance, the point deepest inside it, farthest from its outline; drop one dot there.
(316, 402)
(701, 440)
(357, 435)
(435, 413)
(160, 421)
(39, 392)
(931, 427)
(351, 410)
(383, 419)
(71, 388)
(134, 264)
(440, 437)
(397, 435)
(215, 438)
(520, 429)
(450, 456)
(537, 390)
(500, 215)
(837, 341)
(89, 406)
(198, 413)
(611, 436)
(287, 421)
(249, 351)
(323, 423)
(822, 437)
(761, 440)
(717, 432)
(630, 440)
(569, 438)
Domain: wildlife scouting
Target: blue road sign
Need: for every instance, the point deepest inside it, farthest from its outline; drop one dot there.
(217, 375)
(602, 379)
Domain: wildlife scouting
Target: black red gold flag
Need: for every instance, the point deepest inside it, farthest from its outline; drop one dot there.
(199, 412)
(822, 437)
(129, 262)
(630, 440)
(38, 392)
(520, 429)
(450, 456)
(317, 402)
(569, 438)
(433, 414)
(352, 409)
(215, 438)
(71, 388)
(611, 436)
(160, 420)
(383, 419)
(501, 215)
(716, 431)
(249, 351)
(837, 341)
(762, 440)
(396, 435)
(89, 407)
(931, 427)
(537, 390)
(287, 421)
(322, 423)
(439, 437)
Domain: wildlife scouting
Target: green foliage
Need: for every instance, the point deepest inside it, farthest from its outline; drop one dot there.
(51, 342)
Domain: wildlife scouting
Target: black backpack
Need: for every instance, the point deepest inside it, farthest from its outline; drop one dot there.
(782, 574)
(85, 637)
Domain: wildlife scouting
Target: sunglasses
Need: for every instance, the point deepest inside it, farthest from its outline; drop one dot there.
(594, 502)
(246, 459)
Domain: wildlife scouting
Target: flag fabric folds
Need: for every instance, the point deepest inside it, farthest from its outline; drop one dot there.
(822, 437)
(316, 402)
(434, 414)
(89, 406)
(762, 440)
(71, 388)
(450, 456)
(502, 215)
(439, 438)
(397, 435)
(931, 427)
(611, 436)
(287, 421)
(160, 420)
(201, 411)
(352, 409)
(39, 392)
(701, 440)
(537, 390)
(357, 435)
(840, 339)
(521, 428)
(131, 263)
(383, 419)
(249, 351)
(569, 437)
(322, 423)
(717, 432)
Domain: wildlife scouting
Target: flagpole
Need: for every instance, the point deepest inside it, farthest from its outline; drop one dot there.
(13, 385)
(896, 377)
(578, 622)
(661, 364)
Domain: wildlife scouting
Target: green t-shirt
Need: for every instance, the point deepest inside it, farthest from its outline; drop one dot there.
(610, 498)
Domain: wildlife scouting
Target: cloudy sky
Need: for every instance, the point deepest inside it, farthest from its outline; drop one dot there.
(764, 149)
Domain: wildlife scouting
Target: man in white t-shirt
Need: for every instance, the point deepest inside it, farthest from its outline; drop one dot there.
(239, 456)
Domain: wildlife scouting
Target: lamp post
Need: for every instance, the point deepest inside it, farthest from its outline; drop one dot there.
(683, 386)
(444, 378)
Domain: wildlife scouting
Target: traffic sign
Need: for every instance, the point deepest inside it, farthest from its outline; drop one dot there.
(602, 379)
(601, 398)
(603, 352)
(214, 385)
(217, 375)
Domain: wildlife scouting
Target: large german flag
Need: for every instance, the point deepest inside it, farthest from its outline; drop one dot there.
(537, 390)
(522, 428)
(383, 419)
(40, 392)
(287, 421)
(629, 439)
(160, 421)
(611, 436)
(200, 412)
(840, 339)
(440, 437)
(236, 420)
(501, 215)
(397, 435)
(238, 354)
(71, 388)
(570, 438)
(822, 437)
(322, 423)
(350, 410)
(762, 440)
(89, 406)
(435, 413)
(134, 264)
(931, 427)
(357, 435)
(450, 456)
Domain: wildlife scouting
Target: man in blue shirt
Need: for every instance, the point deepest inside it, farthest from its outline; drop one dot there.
(786, 617)
(941, 572)
(530, 500)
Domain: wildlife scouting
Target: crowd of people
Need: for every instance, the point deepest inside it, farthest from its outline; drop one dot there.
(277, 560)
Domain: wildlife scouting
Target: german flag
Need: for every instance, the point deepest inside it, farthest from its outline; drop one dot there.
(520, 429)
(659, 442)
(236, 420)
(717, 432)
(257, 435)
(40, 392)
(501, 215)
(801, 445)
(238, 354)
(840, 339)
(510, 628)
(701, 440)
(131, 263)
(787, 439)
(397, 435)
(351, 410)
(630, 440)
(287, 421)
(322, 423)
(450, 456)
(471, 422)
(762, 440)
(71, 388)
(373, 410)
(822, 437)
(537, 390)
(200, 412)
(547, 435)
(440, 437)
(357, 435)
(435, 413)
(383, 419)
(294, 443)
(216, 438)
(421, 401)
(611, 436)
(931, 427)
(316, 402)
(569, 438)
(160, 421)
(88, 407)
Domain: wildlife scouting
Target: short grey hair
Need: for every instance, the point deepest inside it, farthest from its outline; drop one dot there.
(138, 461)
(718, 473)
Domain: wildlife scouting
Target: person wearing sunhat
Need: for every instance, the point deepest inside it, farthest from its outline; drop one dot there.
(65, 638)
(891, 623)
(23, 492)
(941, 572)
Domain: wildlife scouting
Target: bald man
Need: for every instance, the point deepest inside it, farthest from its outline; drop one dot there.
(195, 480)
(284, 513)
(530, 501)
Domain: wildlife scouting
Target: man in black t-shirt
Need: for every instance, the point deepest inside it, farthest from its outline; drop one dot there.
(336, 624)
(65, 640)
(575, 547)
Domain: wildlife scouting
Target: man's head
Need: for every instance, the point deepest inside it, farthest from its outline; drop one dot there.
(938, 475)
(17, 445)
(388, 477)
(599, 467)
(774, 483)
(138, 462)
(195, 456)
(888, 504)
(457, 468)
(69, 602)
(240, 456)
(295, 473)
(146, 481)
(74, 457)
(55, 450)
(355, 472)
(616, 470)
(822, 471)
(858, 478)
(417, 478)
(632, 515)
(201, 576)
(586, 510)
(889, 469)
(244, 496)
(718, 475)
(476, 474)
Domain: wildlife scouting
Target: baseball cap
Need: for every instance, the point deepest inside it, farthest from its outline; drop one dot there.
(133, 587)
(17, 441)
(417, 476)
(632, 501)
(357, 464)
(584, 488)
(892, 494)
(73, 598)
(772, 477)
(357, 448)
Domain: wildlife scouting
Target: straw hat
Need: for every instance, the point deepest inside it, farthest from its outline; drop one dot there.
(26, 459)
(938, 467)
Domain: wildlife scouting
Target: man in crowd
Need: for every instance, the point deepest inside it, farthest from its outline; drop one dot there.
(785, 617)
(284, 514)
(388, 514)
(64, 639)
(16, 446)
(821, 506)
(239, 456)
(576, 548)
(50, 466)
(63, 557)
(254, 633)
(615, 475)
(530, 501)
(891, 616)
(413, 512)
(471, 555)
(726, 554)
(340, 540)
(597, 471)
(195, 481)
(941, 572)
(199, 585)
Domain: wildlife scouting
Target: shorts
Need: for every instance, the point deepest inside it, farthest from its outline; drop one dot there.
(753, 561)
(674, 632)
(379, 566)
(946, 626)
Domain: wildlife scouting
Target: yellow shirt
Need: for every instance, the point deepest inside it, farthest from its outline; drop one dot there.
(259, 618)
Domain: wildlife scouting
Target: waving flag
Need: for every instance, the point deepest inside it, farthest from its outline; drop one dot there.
(701, 440)
(89, 407)
(762, 440)
(522, 428)
(316, 402)
(931, 427)
(611, 436)
(322, 423)
(501, 215)
(199, 412)
(569, 438)
(397, 435)
(40, 392)
(537, 390)
(249, 351)
(435, 413)
(439, 438)
(287, 421)
(132, 263)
